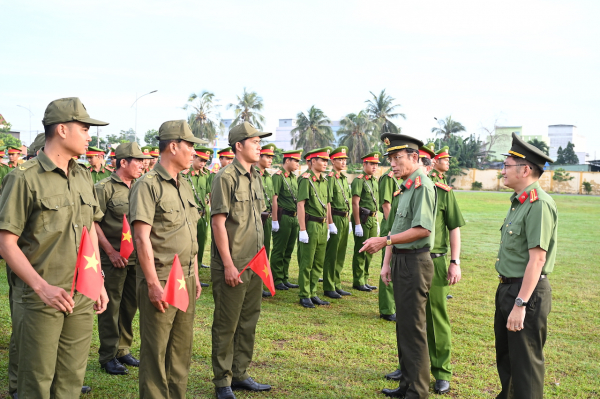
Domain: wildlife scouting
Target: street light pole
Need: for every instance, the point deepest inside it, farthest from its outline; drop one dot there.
(135, 103)
(30, 113)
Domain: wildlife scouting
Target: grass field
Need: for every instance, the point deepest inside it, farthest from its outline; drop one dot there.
(343, 350)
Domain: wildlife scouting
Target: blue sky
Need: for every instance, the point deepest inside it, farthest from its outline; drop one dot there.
(530, 63)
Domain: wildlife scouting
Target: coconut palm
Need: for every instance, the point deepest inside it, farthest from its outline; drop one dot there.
(447, 127)
(540, 145)
(246, 109)
(381, 109)
(204, 120)
(357, 133)
(312, 130)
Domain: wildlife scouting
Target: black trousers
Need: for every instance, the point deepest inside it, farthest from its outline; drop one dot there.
(411, 275)
(519, 355)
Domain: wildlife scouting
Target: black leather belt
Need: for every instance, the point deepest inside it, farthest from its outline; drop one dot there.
(513, 280)
(289, 213)
(339, 213)
(409, 251)
(312, 218)
(437, 255)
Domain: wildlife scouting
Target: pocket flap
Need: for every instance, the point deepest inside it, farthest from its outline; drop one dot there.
(514, 229)
(54, 203)
(167, 206)
(242, 196)
(87, 198)
(193, 203)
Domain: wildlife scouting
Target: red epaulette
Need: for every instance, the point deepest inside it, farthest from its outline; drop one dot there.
(314, 178)
(523, 197)
(433, 174)
(418, 182)
(533, 196)
(443, 186)
(396, 193)
(278, 172)
(408, 183)
(360, 176)
(391, 174)
(109, 169)
(306, 175)
(441, 176)
(330, 174)
(367, 177)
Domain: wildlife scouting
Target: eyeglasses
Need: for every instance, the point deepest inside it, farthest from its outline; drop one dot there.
(504, 166)
(395, 158)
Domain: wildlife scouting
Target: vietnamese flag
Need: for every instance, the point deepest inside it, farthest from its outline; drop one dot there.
(126, 240)
(175, 292)
(88, 274)
(260, 265)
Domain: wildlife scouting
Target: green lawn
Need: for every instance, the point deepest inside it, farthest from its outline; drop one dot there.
(343, 351)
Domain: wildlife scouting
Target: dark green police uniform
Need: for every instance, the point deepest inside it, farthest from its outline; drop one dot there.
(267, 180)
(4, 169)
(285, 187)
(239, 195)
(389, 191)
(412, 271)
(367, 188)
(311, 256)
(103, 173)
(531, 221)
(169, 206)
(341, 202)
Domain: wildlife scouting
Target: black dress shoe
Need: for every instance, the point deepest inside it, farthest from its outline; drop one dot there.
(371, 287)
(449, 296)
(290, 285)
(114, 367)
(224, 393)
(388, 317)
(361, 288)
(281, 286)
(320, 280)
(393, 393)
(266, 294)
(249, 385)
(441, 386)
(342, 292)
(204, 266)
(85, 389)
(307, 303)
(204, 285)
(129, 360)
(318, 301)
(332, 294)
(15, 396)
(394, 375)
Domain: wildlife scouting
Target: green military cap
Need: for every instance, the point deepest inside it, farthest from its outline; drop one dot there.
(146, 150)
(318, 153)
(426, 152)
(523, 150)
(430, 146)
(68, 109)
(13, 149)
(374, 157)
(244, 131)
(268, 149)
(203, 152)
(397, 142)
(293, 154)
(130, 150)
(38, 144)
(443, 153)
(340, 152)
(155, 152)
(226, 152)
(177, 130)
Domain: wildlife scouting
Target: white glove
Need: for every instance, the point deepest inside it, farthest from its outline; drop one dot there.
(358, 230)
(377, 229)
(332, 228)
(349, 228)
(303, 236)
(275, 226)
(328, 235)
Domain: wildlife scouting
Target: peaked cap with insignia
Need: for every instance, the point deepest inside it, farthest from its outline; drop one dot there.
(294, 154)
(203, 152)
(226, 152)
(397, 142)
(523, 150)
(443, 153)
(340, 152)
(374, 157)
(268, 149)
(426, 152)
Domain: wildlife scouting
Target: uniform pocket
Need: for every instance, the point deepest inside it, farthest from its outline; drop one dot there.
(241, 206)
(170, 214)
(87, 208)
(514, 239)
(118, 207)
(193, 211)
(55, 212)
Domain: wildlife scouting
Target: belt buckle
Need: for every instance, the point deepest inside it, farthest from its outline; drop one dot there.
(500, 279)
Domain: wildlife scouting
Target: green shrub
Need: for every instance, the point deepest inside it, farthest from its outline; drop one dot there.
(476, 185)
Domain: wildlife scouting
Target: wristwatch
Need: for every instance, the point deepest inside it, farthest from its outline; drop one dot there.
(519, 302)
(389, 240)
(457, 261)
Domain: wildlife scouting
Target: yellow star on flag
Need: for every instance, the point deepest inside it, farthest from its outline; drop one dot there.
(127, 236)
(92, 262)
(181, 283)
(266, 271)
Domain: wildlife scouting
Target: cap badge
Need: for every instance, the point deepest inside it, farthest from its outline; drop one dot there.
(328, 151)
(376, 156)
(343, 150)
(386, 141)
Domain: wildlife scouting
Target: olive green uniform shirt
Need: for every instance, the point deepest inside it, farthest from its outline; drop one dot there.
(268, 189)
(48, 210)
(3, 172)
(238, 194)
(448, 216)
(389, 191)
(285, 199)
(367, 188)
(171, 210)
(103, 173)
(339, 191)
(199, 182)
(113, 197)
(316, 195)
(531, 221)
(416, 208)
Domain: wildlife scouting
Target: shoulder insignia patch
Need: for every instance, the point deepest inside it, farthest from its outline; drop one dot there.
(441, 176)
(523, 196)
(149, 176)
(286, 174)
(367, 177)
(278, 172)
(306, 175)
(330, 174)
(433, 174)
(391, 174)
(533, 195)
(337, 176)
(360, 176)
(418, 182)
(396, 193)
(408, 183)
(314, 178)
(443, 186)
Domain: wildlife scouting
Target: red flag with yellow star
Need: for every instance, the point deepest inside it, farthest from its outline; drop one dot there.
(126, 239)
(260, 265)
(175, 292)
(88, 278)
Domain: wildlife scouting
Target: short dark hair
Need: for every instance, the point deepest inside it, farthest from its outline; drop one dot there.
(289, 159)
(128, 160)
(426, 161)
(233, 149)
(536, 171)
(50, 130)
(163, 144)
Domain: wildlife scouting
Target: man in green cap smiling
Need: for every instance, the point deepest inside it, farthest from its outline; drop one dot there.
(45, 205)
(525, 259)
(164, 216)
(237, 233)
(115, 325)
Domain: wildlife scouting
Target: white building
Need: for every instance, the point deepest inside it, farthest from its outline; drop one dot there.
(283, 136)
(561, 135)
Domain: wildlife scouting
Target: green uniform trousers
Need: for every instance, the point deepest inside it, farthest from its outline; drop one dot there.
(115, 328)
(438, 321)
(362, 261)
(411, 275)
(52, 347)
(310, 258)
(268, 229)
(335, 255)
(234, 325)
(387, 305)
(166, 344)
(13, 355)
(283, 246)
(203, 233)
(519, 355)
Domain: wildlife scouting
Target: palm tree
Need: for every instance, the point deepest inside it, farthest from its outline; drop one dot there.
(203, 120)
(540, 145)
(312, 130)
(447, 127)
(246, 109)
(380, 109)
(357, 133)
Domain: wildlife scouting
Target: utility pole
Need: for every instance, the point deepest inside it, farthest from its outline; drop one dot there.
(136, 107)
